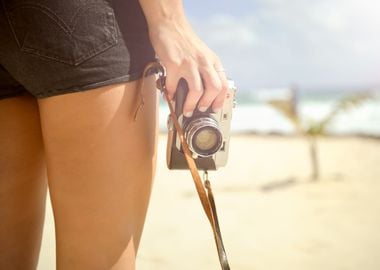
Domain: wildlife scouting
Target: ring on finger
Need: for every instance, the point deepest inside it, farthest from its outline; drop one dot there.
(219, 68)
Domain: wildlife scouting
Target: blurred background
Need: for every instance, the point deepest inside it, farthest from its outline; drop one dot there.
(325, 48)
(301, 187)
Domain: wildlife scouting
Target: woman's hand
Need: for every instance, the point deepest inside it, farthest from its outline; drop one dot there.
(184, 55)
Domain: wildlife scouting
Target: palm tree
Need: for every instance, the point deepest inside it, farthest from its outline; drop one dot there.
(314, 129)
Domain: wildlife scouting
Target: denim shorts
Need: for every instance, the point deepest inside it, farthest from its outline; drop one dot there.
(54, 47)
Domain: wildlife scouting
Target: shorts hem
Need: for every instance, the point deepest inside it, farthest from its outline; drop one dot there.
(11, 95)
(123, 79)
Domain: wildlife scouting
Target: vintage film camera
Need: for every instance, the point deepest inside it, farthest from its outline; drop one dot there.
(206, 133)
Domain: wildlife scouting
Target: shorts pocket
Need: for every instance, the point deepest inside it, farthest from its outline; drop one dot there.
(65, 31)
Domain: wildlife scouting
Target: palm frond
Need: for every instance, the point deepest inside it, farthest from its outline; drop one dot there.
(344, 105)
(286, 108)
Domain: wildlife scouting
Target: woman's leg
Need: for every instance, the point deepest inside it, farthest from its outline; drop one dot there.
(100, 168)
(22, 183)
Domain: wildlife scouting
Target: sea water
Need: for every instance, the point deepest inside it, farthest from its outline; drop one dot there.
(253, 114)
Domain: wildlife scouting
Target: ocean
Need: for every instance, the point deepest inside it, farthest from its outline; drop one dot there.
(253, 114)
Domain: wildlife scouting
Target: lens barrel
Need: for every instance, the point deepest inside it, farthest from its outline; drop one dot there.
(203, 136)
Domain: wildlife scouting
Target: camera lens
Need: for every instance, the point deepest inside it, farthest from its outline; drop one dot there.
(203, 136)
(205, 139)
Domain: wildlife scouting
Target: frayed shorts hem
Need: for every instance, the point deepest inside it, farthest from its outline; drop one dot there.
(88, 87)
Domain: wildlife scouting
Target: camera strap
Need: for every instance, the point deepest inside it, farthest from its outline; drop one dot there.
(204, 191)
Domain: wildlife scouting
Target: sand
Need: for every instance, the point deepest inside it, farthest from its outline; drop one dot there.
(272, 216)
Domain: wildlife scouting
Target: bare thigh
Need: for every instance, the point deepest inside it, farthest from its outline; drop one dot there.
(100, 168)
(22, 183)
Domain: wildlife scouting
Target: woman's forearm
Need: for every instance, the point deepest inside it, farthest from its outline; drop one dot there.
(158, 11)
(184, 55)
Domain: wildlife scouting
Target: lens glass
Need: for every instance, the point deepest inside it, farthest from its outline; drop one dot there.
(206, 139)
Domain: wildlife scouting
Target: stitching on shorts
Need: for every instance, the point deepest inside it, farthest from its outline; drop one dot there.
(80, 11)
(68, 29)
(10, 24)
(101, 48)
(48, 12)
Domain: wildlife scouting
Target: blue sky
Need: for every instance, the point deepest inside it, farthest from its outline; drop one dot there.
(275, 43)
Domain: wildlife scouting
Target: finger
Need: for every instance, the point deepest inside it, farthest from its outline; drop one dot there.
(171, 81)
(213, 87)
(218, 103)
(195, 92)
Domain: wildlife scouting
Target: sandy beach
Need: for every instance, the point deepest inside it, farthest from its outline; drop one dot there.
(272, 216)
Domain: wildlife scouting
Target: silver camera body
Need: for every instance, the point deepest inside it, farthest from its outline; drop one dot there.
(206, 133)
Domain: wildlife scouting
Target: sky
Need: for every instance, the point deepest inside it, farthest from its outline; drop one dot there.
(315, 44)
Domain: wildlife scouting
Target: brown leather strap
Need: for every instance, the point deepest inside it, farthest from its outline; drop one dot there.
(206, 196)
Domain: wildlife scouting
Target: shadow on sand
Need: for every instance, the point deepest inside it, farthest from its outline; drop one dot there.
(271, 186)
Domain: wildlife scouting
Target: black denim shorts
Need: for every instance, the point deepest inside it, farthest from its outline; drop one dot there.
(54, 47)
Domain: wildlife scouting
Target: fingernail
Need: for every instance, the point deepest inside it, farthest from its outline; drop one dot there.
(188, 114)
(202, 109)
(216, 110)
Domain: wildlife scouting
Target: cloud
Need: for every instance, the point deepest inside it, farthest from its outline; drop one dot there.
(312, 43)
(230, 30)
